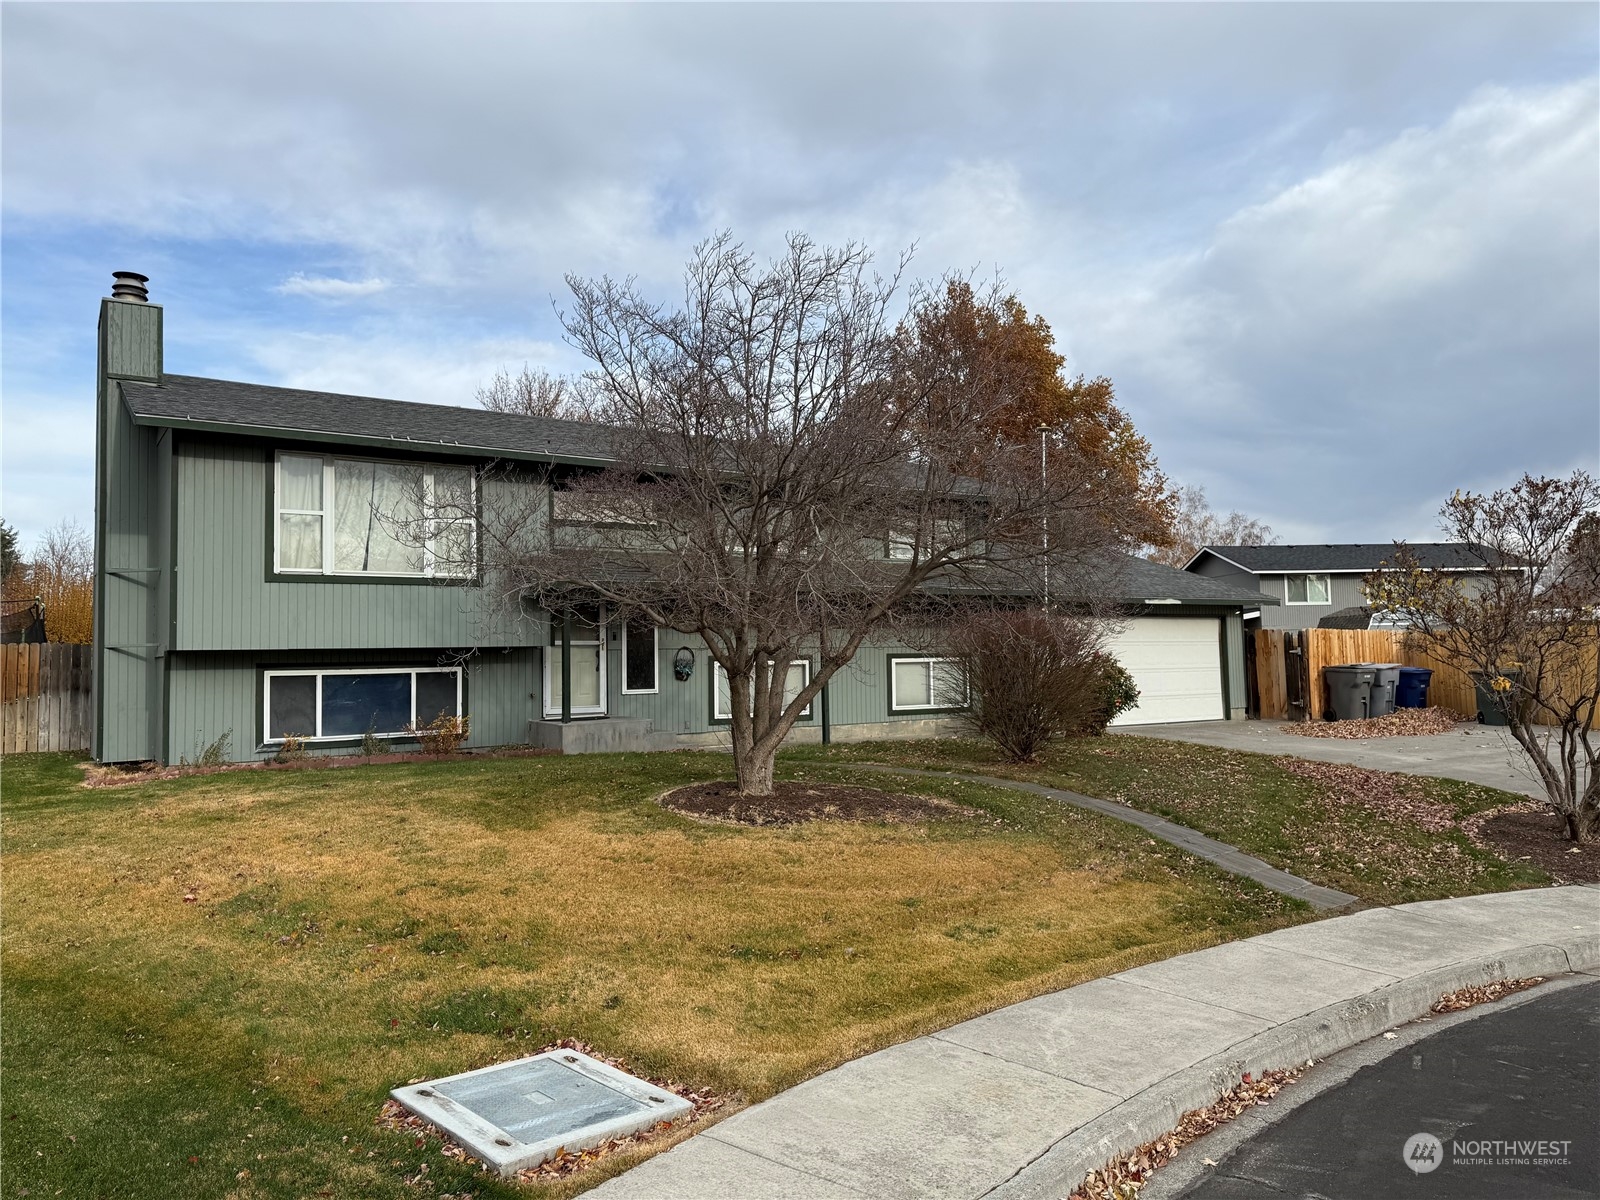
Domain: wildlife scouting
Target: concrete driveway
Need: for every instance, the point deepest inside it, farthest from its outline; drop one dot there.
(1476, 753)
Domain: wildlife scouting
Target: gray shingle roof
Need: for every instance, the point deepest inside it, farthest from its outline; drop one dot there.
(1142, 580)
(1364, 556)
(223, 405)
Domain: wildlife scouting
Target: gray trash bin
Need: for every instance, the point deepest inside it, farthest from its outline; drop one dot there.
(1349, 691)
(1385, 683)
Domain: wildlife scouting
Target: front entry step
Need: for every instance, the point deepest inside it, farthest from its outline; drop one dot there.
(604, 735)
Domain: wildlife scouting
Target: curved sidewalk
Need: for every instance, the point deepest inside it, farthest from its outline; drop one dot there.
(1229, 858)
(1024, 1101)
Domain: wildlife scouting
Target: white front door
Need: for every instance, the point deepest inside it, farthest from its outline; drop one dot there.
(588, 666)
(1177, 664)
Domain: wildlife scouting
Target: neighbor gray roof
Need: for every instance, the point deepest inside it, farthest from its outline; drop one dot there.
(1362, 556)
(1141, 580)
(221, 405)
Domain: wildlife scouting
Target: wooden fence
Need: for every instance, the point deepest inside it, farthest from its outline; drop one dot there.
(45, 698)
(1289, 669)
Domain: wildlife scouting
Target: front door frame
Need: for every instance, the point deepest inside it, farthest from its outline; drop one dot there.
(598, 642)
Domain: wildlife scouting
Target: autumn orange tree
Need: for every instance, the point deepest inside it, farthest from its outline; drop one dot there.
(60, 573)
(1005, 374)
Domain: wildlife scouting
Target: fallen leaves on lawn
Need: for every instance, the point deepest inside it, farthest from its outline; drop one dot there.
(395, 1116)
(1483, 993)
(1394, 796)
(1403, 722)
(1123, 1176)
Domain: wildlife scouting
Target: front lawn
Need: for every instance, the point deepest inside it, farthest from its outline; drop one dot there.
(1386, 838)
(211, 983)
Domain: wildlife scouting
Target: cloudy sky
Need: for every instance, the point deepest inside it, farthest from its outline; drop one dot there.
(1338, 259)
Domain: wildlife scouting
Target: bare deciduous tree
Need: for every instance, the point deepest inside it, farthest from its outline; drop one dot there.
(788, 481)
(1194, 525)
(1528, 626)
(60, 572)
(534, 393)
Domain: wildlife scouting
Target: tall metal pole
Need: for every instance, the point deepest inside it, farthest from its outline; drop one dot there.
(1044, 489)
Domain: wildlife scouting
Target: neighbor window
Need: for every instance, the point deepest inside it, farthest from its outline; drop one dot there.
(355, 516)
(940, 534)
(1307, 589)
(799, 675)
(639, 657)
(384, 701)
(923, 683)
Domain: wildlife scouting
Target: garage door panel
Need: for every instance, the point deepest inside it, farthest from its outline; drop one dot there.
(1177, 664)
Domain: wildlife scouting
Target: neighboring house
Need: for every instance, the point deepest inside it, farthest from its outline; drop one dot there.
(22, 621)
(1308, 583)
(244, 589)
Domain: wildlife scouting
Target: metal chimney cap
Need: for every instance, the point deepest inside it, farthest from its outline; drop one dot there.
(129, 285)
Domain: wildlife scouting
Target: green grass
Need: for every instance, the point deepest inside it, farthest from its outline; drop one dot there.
(1250, 801)
(210, 983)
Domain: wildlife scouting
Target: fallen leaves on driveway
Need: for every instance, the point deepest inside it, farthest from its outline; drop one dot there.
(1403, 722)
(1394, 796)
(1123, 1176)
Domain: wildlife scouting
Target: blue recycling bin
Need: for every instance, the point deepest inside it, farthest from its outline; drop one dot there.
(1412, 689)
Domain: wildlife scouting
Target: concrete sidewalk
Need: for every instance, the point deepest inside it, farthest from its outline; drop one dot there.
(1474, 753)
(1024, 1101)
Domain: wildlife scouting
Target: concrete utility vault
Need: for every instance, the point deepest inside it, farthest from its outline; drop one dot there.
(516, 1115)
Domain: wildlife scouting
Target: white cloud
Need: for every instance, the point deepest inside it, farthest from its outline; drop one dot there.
(324, 287)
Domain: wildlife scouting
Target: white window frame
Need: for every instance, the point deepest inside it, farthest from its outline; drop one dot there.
(655, 660)
(327, 510)
(718, 675)
(1308, 576)
(599, 642)
(319, 672)
(934, 703)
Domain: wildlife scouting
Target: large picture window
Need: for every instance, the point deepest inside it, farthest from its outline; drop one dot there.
(926, 683)
(722, 706)
(326, 704)
(1307, 589)
(355, 516)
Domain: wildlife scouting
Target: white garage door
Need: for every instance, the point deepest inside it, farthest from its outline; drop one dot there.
(1177, 663)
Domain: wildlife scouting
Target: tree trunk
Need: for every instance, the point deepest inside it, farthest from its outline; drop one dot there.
(753, 768)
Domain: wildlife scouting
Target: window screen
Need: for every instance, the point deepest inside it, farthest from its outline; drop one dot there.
(292, 706)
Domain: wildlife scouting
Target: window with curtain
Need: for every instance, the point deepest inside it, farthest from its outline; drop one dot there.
(325, 704)
(798, 676)
(923, 683)
(352, 516)
(1308, 589)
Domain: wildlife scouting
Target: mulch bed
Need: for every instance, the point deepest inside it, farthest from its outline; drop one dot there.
(97, 776)
(1532, 833)
(791, 803)
(395, 1116)
(1403, 722)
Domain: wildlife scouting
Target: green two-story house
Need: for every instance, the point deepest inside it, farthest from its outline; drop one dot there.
(246, 594)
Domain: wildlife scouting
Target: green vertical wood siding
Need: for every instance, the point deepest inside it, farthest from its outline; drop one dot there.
(225, 601)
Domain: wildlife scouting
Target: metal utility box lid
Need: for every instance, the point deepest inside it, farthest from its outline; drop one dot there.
(518, 1114)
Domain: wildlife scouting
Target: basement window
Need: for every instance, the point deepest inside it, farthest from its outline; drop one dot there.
(324, 705)
(922, 684)
(363, 517)
(722, 704)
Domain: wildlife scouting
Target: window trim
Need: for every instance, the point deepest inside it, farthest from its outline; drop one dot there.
(275, 513)
(1327, 585)
(270, 673)
(892, 659)
(655, 663)
(716, 669)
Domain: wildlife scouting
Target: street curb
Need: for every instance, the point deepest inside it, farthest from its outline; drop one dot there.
(1156, 1110)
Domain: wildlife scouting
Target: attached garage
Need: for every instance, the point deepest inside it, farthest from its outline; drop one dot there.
(1177, 664)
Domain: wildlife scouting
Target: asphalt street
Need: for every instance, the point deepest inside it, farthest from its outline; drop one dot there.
(1526, 1076)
